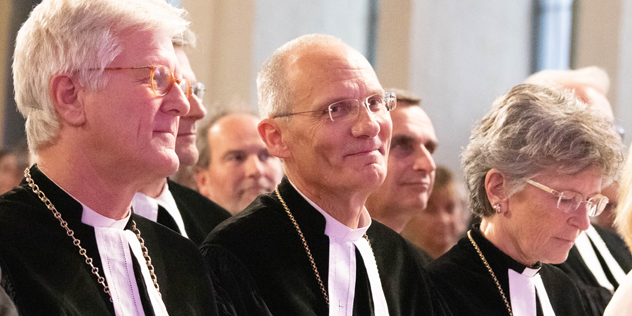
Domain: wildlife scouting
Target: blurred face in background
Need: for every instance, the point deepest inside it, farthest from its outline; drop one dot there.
(185, 142)
(411, 169)
(10, 176)
(241, 167)
(437, 228)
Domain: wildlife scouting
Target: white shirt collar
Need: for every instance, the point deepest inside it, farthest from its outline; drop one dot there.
(147, 207)
(343, 242)
(338, 230)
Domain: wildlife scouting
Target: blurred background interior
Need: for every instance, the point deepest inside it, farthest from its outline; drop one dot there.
(458, 55)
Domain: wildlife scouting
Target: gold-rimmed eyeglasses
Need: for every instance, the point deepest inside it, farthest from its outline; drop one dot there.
(161, 80)
(568, 201)
(377, 104)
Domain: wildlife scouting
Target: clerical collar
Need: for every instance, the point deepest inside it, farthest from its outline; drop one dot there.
(91, 217)
(94, 219)
(116, 246)
(341, 278)
(336, 229)
(147, 207)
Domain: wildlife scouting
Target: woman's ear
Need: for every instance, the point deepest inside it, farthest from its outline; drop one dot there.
(271, 134)
(65, 93)
(495, 186)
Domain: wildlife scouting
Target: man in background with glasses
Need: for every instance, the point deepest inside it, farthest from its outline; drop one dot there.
(599, 260)
(102, 92)
(310, 247)
(166, 202)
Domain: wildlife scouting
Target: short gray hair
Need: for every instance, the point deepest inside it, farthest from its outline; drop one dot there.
(273, 89)
(533, 129)
(75, 37)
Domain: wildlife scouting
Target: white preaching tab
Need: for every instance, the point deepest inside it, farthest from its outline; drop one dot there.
(523, 289)
(611, 262)
(588, 254)
(342, 264)
(114, 243)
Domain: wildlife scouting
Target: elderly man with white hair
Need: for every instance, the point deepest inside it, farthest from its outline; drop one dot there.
(310, 247)
(100, 86)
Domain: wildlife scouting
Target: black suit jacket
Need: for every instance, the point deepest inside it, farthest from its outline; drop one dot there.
(595, 297)
(199, 214)
(44, 274)
(260, 262)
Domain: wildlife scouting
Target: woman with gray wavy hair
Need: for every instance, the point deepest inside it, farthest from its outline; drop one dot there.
(535, 166)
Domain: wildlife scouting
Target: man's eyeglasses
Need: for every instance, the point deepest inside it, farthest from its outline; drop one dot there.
(161, 80)
(198, 90)
(377, 104)
(568, 201)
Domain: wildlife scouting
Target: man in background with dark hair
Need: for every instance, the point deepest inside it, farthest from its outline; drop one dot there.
(411, 169)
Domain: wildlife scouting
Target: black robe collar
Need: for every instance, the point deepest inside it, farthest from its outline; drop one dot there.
(500, 258)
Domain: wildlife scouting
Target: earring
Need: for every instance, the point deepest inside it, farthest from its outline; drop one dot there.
(497, 208)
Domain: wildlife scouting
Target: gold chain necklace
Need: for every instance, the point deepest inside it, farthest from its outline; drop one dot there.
(77, 242)
(489, 268)
(307, 251)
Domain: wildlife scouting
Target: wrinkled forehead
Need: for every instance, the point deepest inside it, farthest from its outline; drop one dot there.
(330, 73)
(412, 118)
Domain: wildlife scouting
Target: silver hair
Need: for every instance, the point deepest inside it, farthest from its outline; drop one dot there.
(75, 37)
(534, 129)
(274, 91)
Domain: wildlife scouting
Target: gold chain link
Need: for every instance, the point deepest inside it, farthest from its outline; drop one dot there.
(150, 267)
(307, 251)
(489, 268)
(75, 241)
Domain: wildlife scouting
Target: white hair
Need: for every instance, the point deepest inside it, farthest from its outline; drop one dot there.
(75, 37)
(275, 93)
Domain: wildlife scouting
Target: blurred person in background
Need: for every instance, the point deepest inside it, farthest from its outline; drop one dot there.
(535, 166)
(621, 304)
(12, 164)
(444, 221)
(599, 259)
(411, 169)
(166, 202)
(234, 166)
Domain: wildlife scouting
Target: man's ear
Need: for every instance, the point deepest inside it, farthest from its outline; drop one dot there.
(271, 134)
(66, 94)
(201, 180)
(495, 186)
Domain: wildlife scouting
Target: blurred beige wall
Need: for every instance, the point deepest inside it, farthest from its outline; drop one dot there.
(223, 56)
(597, 38)
(393, 43)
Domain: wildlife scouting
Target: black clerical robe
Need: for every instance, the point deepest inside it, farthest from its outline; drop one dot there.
(594, 296)
(44, 274)
(470, 290)
(199, 214)
(261, 264)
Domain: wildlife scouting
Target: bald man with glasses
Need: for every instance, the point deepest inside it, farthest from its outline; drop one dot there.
(310, 247)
